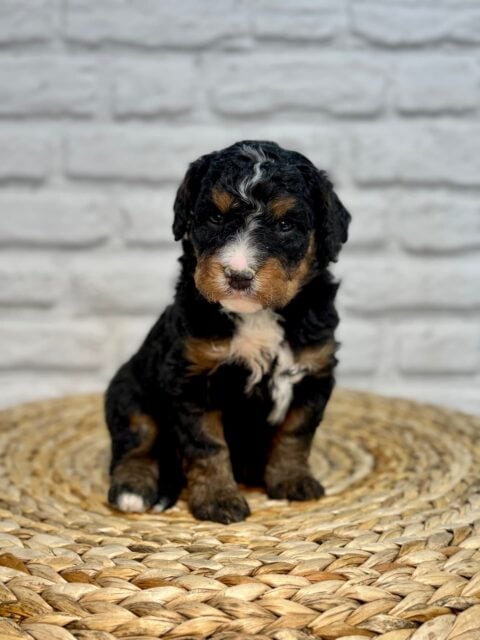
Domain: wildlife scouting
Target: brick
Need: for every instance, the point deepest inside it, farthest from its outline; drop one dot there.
(359, 352)
(29, 282)
(159, 154)
(153, 88)
(149, 23)
(401, 23)
(407, 23)
(24, 156)
(25, 20)
(376, 285)
(368, 224)
(47, 87)
(130, 284)
(164, 153)
(417, 154)
(304, 20)
(452, 347)
(436, 222)
(251, 84)
(319, 143)
(131, 334)
(53, 219)
(436, 85)
(465, 25)
(148, 218)
(52, 345)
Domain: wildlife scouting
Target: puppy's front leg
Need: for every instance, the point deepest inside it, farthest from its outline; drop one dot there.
(212, 491)
(287, 473)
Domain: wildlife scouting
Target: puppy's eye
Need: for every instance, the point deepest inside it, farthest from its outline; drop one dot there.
(285, 225)
(216, 218)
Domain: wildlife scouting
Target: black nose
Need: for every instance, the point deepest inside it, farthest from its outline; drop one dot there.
(239, 280)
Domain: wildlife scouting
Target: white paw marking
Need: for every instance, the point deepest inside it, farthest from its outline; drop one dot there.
(161, 505)
(131, 502)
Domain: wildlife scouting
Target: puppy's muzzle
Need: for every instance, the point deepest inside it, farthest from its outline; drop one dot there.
(239, 280)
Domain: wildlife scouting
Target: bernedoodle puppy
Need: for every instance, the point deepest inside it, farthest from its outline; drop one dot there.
(232, 381)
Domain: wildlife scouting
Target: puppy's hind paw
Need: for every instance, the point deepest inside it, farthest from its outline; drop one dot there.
(162, 504)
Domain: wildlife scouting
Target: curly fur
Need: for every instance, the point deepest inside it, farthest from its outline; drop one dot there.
(232, 382)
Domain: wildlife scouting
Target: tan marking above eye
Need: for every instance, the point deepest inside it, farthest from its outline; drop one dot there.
(281, 206)
(222, 199)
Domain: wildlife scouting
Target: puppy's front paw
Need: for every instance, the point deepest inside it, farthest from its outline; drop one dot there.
(226, 506)
(132, 496)
(303, 487)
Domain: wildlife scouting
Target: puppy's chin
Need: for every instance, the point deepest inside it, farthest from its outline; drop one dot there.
(240, 305)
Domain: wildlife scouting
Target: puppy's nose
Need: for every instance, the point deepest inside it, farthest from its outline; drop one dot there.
(239, 279)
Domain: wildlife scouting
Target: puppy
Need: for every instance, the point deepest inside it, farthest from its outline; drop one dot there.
(232, 381)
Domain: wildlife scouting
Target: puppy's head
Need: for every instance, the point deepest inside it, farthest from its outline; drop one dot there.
(262, 221)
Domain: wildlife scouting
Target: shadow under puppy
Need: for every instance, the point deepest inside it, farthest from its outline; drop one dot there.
(232, 381)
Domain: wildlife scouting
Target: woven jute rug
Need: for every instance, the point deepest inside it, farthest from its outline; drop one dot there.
(391, 552)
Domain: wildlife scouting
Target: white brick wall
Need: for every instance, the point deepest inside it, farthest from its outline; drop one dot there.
(103, 104)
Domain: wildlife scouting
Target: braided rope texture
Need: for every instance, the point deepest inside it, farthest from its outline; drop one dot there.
(391, 552)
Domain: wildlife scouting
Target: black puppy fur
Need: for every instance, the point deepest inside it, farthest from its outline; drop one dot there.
(232, 380)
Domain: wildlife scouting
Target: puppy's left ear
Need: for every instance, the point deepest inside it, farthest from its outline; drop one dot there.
(187, 195)
(331, 217)
(335, 222)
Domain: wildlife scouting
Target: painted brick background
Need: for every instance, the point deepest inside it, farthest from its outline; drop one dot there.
(103, 104)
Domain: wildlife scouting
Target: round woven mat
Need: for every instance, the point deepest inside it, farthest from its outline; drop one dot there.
(391, 552)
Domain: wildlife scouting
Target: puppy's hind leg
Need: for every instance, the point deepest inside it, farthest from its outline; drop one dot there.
(143, 468)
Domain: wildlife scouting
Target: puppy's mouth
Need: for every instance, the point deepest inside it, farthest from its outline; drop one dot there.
(240, 304)
(240, 290)
(245, 290)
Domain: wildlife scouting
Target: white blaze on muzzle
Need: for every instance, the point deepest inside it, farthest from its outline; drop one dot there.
(240, 253)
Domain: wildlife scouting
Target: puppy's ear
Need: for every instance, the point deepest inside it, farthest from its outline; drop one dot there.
(187, 195)
(335, 223)
(331, 217)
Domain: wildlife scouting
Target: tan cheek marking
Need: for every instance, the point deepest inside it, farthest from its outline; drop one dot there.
(276, 286)
(222, 199)
(210, 279)
(317, 360)
(305, 265)
(281, 206)
(272, 283)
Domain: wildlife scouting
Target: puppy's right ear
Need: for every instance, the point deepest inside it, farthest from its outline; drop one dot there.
(187, 195)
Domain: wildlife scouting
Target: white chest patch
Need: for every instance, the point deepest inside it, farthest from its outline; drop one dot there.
(259, 342)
